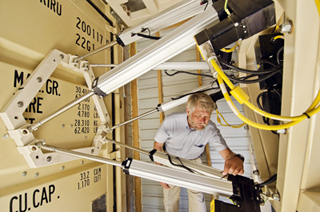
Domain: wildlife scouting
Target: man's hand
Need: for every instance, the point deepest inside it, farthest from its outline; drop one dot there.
(234, 166)
(165, 185)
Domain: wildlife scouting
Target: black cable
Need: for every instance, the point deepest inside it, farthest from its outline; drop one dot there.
(265, 119)
(100, 12)
(206, 6)
(258, 99)
(245, 70)
(179, 97)
(269, 181)
(186, 72)
(254, 81)
(146, 36)
(278, 54)
(268, 61)
(144, 29)
(179, 165)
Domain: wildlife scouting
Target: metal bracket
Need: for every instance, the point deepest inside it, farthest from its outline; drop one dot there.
(21, 132)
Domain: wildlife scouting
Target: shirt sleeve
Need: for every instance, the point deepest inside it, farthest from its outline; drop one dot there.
(162, 134)
(217, 141)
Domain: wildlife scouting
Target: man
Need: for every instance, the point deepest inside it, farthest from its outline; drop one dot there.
(185, 135)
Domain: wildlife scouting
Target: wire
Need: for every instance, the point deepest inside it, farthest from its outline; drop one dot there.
(179, 165)
(318, 5)
(186, 72)
(229, 50)
(245, 70)
(227, 124)
(278, 54)
(144, 29)
(268, 181)
(226, 8)
(311, 111)
(179, 97)
(253, 81)
(239, 95)
(273, 39)
(146, 36)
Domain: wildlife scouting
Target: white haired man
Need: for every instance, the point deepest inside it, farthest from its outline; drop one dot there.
(185, 135)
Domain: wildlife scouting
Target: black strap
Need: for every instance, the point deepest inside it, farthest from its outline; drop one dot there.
(307, 115)
(180, 165)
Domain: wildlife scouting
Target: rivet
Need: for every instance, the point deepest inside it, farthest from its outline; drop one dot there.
(24, 174)
(20, 104)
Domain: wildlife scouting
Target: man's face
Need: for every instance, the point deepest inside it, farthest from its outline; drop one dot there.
(199, 118)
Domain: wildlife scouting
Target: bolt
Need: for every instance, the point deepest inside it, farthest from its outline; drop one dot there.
(92, 151)
(246, 127)
(49, 158)
(24, 174)
(244, 26)
(36, 174)
(39, 79)
(34, 148)
(82, 162)
(62, 125)
(61, 56)
(5, 136)
(255, 172)
(286, 27)
(276, 196)
(71, 125)
(20, 104)
(245, 31)
(282, 131)
(62, 167)
(236, 24)
(25, 132)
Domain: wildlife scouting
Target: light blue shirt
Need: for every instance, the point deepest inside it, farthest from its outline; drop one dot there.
(185, 142)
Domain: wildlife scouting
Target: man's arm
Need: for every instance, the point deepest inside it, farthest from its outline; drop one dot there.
(158, 146)
(233, 165)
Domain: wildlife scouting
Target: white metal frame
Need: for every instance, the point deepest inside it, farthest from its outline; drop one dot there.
(21, 132)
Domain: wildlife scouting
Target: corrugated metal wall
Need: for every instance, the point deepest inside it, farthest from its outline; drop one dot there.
(237, 139)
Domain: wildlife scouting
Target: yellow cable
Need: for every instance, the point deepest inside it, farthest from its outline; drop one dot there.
(229, 50)
(226, 8)
(278, 37)
(246, 120)
(318, 5)
(227, 124)
(311, 111)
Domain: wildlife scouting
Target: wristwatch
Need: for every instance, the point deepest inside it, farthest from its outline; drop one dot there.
(240, 156)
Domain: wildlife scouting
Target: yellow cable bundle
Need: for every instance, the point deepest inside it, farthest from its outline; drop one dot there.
(239, 95)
